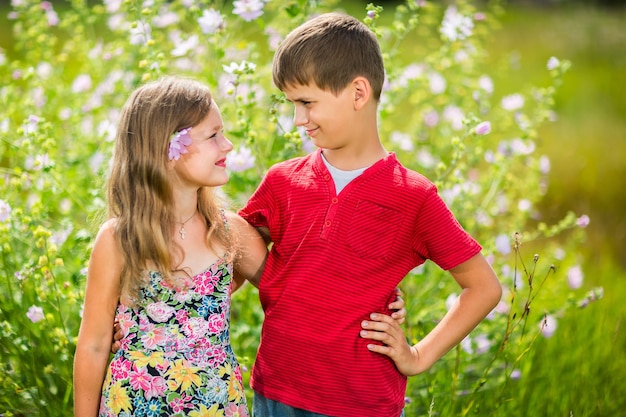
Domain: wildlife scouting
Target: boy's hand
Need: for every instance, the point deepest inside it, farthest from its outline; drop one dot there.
(399, 312)
(118, 334)
(385, 329)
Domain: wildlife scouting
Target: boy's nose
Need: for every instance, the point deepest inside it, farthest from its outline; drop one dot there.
(299, 117)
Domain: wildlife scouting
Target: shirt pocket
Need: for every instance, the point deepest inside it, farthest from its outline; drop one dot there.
(373, 230)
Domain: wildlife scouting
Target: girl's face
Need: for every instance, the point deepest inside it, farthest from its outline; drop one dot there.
(205, 162)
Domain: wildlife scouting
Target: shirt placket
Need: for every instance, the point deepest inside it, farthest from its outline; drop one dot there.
(331, 213)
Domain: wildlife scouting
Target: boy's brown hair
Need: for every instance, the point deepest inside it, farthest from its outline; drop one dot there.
(329, 50)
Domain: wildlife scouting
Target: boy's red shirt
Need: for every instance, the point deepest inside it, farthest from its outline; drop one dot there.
(334, 260)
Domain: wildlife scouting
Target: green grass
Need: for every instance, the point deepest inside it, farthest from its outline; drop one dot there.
(579, 370)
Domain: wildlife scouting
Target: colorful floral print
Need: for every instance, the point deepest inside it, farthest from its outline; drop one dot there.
(176, 358)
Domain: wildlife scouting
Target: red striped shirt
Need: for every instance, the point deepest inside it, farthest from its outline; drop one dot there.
(336, 259)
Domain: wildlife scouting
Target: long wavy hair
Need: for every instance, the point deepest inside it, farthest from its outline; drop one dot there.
(139, 188)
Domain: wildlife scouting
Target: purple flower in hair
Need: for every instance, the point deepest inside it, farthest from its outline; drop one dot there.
(178, 144)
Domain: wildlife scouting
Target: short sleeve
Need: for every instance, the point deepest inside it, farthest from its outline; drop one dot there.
(260, 206)
(439, 236)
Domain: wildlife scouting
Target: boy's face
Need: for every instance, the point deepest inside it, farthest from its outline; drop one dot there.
(327, 118)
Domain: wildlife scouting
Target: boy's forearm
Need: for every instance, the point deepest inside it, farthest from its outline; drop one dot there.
(470, 308)
(255, 279)
(481, 292)
(240, 278)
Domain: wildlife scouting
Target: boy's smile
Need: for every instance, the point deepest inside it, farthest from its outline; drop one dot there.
(343, 124)
(326, 117)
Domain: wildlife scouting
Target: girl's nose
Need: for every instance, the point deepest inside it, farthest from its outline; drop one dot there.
(226, 145)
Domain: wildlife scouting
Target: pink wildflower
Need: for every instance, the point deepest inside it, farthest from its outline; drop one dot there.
(248, 9)
(35, 314)
(583, 221)
(211, 21)
(575, 277)
(483, 128)
(548, 326)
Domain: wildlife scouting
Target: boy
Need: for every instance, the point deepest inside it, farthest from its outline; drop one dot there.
(348, 222)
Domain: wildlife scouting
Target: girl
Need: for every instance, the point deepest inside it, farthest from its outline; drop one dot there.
(162, 265)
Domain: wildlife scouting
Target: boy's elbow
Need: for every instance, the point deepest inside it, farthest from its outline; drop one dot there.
(494, 292)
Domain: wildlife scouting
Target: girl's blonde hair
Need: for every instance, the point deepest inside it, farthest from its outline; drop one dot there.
(139, 188)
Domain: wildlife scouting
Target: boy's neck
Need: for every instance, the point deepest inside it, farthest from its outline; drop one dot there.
(347, 159)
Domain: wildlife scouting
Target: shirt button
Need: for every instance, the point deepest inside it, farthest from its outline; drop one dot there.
(327, 177)
(335, 200)
(327, 223)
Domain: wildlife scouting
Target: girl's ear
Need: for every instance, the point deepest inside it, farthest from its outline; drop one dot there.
(362, 92)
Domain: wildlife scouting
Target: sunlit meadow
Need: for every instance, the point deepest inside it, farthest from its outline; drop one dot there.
(70, 70)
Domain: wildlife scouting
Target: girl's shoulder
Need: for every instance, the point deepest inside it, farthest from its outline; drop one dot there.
(106, 241)
(106, 261)
(109, 224)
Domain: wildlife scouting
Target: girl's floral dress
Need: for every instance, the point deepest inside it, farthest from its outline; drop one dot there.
(176, 358)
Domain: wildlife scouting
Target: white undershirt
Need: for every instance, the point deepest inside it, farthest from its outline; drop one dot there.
(341, 178)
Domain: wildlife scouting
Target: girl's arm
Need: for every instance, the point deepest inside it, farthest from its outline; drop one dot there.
(480, 293)
(96, 328)
(252, 254)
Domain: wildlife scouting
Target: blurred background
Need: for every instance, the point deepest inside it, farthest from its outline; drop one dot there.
(579, 369)
(587, 147)
(587, 143)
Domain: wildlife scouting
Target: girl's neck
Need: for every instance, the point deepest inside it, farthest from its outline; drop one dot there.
(185, 205)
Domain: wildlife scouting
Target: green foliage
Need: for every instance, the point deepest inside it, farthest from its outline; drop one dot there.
(65, 80)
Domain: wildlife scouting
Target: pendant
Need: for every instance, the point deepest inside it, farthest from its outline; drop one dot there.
(181, 232)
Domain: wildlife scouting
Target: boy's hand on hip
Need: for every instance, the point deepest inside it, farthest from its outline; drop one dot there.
(386, 330)
(399, 311)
